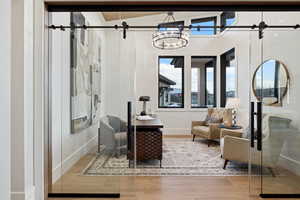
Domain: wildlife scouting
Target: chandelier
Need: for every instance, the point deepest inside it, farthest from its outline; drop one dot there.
(170, 35)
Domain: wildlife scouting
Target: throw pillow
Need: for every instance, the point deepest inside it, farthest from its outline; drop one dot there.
(210, 119)
(218, 113)
(207, 118)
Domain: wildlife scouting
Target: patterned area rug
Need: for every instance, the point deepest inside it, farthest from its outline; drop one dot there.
(181, 157)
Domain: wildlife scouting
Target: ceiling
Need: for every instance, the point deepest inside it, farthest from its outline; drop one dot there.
(110, 16)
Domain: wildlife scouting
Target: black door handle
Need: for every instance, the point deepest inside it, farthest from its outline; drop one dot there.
(129, 126)
(259, 130)
(252, 124)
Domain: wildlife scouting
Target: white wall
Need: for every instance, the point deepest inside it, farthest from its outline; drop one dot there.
(67, 148)
(119, 73)
(5, 98)
(40, 131)
(29, 188)
(22, 174)
(142, 59)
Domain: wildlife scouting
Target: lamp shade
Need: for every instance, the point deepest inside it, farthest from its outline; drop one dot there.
(144, 98)
(233, 103)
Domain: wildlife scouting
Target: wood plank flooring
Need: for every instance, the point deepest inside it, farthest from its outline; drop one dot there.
(154, 188)
(183, 188)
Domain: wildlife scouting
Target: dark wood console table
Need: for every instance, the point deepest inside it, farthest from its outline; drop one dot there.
(148, 141)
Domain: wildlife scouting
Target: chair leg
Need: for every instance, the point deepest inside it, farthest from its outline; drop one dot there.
(225, 164)
(272, 171)
(194, 137)
(208, 143)
(117, 153)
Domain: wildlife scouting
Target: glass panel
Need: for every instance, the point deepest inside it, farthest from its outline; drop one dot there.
(90, 150)
(255, 59)
(171, 70)
(272, 84)
(148, 140)
(89, 105)
(127, 88)
(281, 133)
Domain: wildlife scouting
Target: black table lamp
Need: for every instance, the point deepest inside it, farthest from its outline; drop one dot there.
(144, 99)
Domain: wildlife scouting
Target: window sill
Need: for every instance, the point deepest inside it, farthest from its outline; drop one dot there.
(170, 110)
(203, 109)
(205, 36)
(182, 110)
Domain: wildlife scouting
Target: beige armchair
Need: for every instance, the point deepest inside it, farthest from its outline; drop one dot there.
(235, 148)
(230, 145)
(210, 131)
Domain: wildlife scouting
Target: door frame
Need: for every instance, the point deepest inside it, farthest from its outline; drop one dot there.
(42, 114)
(108, 6)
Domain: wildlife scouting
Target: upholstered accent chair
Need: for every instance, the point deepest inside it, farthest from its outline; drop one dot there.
(274, 131)
(210, 129)
(113, 134)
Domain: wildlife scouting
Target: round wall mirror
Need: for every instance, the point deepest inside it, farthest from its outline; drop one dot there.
(270, 82)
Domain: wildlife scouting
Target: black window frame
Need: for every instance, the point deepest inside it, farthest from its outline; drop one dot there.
(175, 23)
(215, 82)
(224, 60)
(224, 15)
(206, 19)
(182, 83)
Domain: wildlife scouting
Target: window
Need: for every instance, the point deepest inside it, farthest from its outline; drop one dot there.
(228, 76)
(203, 81)
(164, 26)
(209, 21)
(170, 82)
(227, 19)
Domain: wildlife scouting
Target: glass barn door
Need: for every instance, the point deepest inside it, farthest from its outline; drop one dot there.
(274, 150)
(92, 79)
(254, 168)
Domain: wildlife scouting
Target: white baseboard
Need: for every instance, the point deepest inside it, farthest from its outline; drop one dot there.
(67, 163)
(17, 195)
(22, 196)
(290, 164)
(176, 131)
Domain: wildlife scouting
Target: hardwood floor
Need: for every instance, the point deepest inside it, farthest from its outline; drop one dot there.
(183, 188)
(153, 187)
(179, 188)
